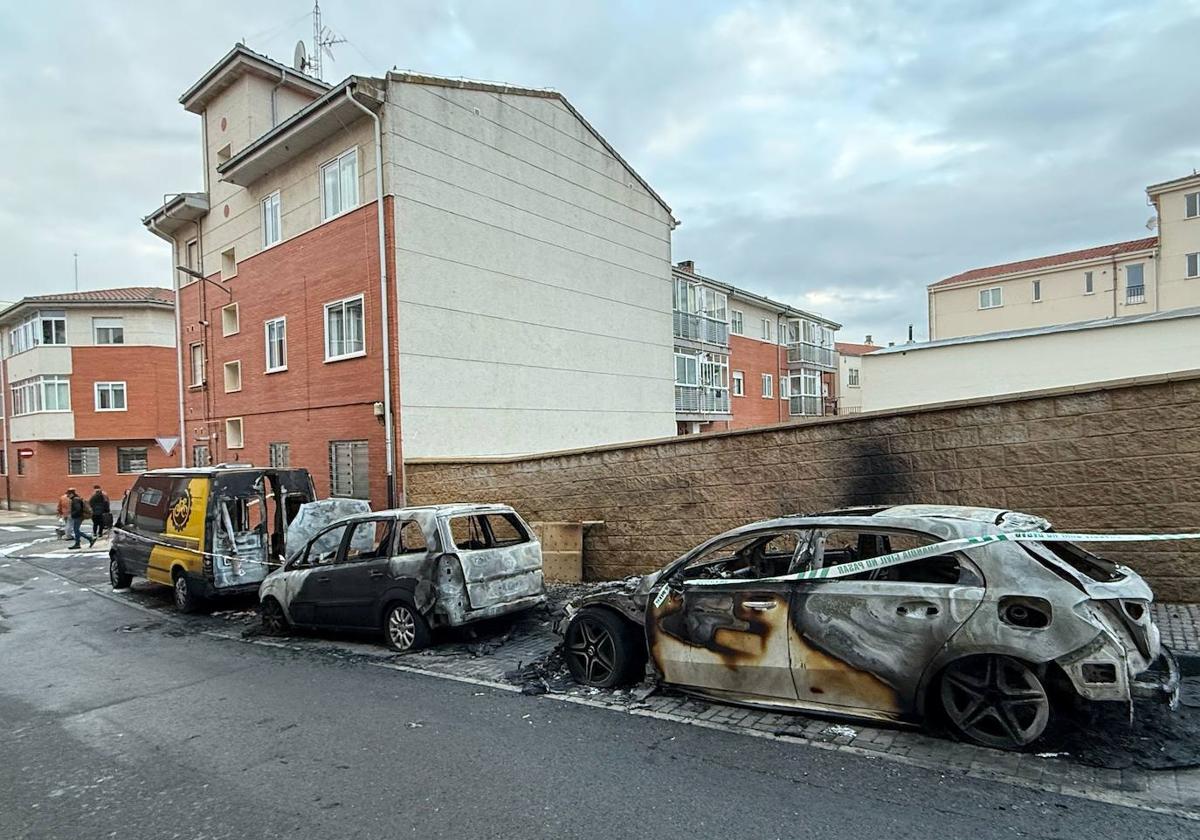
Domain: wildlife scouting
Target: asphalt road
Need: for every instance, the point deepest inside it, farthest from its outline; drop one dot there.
(108, 731)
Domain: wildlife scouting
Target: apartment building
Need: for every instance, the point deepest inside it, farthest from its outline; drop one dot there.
(849, 397)
(1123, 279)
(411, 266)
(744, 360)
(90, 392)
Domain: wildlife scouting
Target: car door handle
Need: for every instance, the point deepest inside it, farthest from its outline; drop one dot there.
(918, 609)
(759, 606)
(323, 579)
(377, 574)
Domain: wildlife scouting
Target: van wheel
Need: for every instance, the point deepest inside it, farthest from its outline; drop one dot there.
(186, 601)
(404, 629)
(117, 575)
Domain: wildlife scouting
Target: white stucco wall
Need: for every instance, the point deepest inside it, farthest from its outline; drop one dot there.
(533, 278)
(1053, 360)
(850, 397)
(1179, 237)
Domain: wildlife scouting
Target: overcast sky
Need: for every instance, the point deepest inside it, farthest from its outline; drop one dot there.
(836, 158)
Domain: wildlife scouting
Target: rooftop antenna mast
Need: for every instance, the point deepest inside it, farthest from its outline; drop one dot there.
(324, 39)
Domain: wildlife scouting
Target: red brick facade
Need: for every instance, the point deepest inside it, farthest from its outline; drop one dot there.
(312, 402)
(754, 358)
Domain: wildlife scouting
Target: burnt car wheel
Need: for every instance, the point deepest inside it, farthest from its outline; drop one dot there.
(404, 628)
(185, 600)
(117, 576)
(603, 650)
(274, 622)
(995, 701)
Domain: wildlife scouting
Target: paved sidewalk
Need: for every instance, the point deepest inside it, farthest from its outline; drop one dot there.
(1180, 626)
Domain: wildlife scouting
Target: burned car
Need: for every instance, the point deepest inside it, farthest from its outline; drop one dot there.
(406, 572)
(991, 639)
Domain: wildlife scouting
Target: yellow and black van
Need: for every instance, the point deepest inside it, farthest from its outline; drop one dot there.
(206, 531)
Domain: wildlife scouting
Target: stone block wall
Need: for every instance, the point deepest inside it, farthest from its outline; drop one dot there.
(1123, 456)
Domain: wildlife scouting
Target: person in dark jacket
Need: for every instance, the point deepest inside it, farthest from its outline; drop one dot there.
(100, 510)
(79, 509)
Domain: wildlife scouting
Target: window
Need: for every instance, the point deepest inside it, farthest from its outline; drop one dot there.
(1135, 283)
(768, 385)
(110, 396)
(270, 220)
(46, 327)
(233, 377)
(739, 384)
(276, 338)
(835, 547)
(279, 455)
(736, 325)
(1089, 286)
(108, 331)
(228, 264)
(344, 329)
(1037, 290)
(200, 455)
(230, 322)
(1191, 203)
(765, 326)
(197, 351)
(852, 377)
(491, 530)
(234, 438)
(1193, 265)
(412, 539)
(687, 369)
(348, 475)
(191, 256)
(323, 548)
(749, 557)
(783, 387)
(41, 393)
(370, 540)
(991, 298)
(131, 459)
(339, 185)
(83, 460)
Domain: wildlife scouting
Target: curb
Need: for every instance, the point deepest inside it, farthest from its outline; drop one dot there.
(1189, 662)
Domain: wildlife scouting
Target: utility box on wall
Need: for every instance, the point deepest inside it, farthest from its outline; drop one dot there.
(562, 550)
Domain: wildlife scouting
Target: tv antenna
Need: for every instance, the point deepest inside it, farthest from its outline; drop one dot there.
(323, 41)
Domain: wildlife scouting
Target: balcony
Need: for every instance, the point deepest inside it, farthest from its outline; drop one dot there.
(801, 406)
(810, 355)
(694, 399)
(1135, 294)
(700, 328)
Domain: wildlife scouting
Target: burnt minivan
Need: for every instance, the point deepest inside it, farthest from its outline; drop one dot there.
(207, 531)
(406, 572)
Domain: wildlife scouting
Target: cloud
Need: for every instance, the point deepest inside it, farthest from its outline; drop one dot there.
(839, 156)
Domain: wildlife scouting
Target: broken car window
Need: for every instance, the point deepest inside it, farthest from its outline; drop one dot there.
(412, 539)
(323, 549)
(839, 546)
(750, 557)
(468, 533)
(505, 529)
(370, 540)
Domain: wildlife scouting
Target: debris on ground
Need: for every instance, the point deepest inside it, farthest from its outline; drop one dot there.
(542, 676)
(840, 731)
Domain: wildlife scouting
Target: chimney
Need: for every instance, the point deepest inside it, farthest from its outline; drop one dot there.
(868, 341)
(686, 265)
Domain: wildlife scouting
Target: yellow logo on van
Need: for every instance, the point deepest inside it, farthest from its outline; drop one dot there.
(181, 509)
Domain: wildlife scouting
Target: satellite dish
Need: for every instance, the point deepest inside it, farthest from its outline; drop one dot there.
(300, 57)
(1152, 223)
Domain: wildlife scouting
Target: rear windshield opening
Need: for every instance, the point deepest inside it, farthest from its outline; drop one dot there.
(489, 530)
(1082, 561)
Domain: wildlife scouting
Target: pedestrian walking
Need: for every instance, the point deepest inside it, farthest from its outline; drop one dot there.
(79, 509)
(64, 509)
(100, 510)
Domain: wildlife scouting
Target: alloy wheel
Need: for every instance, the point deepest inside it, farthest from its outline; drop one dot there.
(402, 627)
(996, 701)
(592, 646)
(272, 617)
(182, 596)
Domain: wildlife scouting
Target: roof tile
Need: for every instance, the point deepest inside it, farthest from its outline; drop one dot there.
(1049, 261)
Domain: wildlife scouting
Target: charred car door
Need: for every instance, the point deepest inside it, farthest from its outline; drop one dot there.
(862, 643)
(723, 636)
(308, 575)
(359, 575)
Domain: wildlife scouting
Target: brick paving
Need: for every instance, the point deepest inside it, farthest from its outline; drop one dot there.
(1179, 625)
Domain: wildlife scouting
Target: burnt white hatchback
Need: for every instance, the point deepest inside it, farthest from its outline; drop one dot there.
(406, 572)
